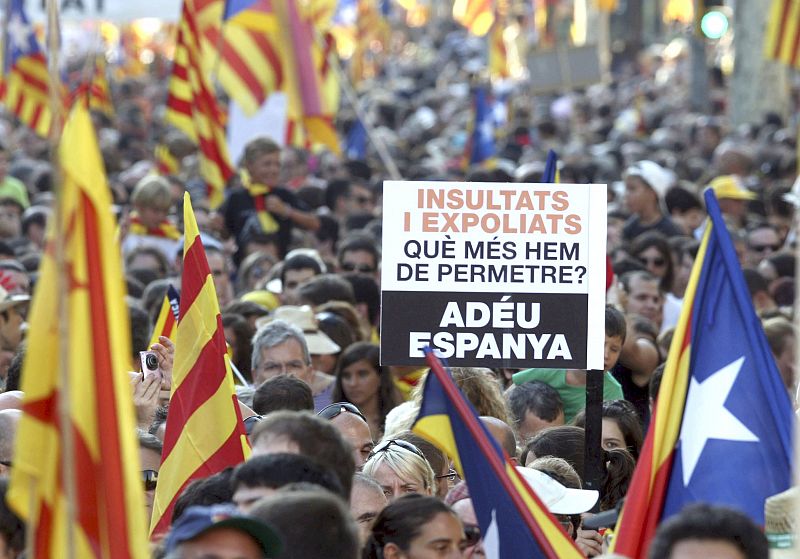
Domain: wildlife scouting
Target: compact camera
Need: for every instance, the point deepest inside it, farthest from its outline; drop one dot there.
(149, 361)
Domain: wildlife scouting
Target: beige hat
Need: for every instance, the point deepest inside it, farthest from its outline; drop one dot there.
(303, 317)
(7, 300)
(780, 524)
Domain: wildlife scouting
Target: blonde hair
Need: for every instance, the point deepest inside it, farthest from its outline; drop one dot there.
(406, 464)
(479, 386)
(152, 192)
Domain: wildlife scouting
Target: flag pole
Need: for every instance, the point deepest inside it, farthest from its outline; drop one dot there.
(64, 415)
(352, 97)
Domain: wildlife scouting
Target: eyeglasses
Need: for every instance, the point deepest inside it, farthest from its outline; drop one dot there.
(384, 446)
(250, 423)
(763, 248)
(150, 479)
(472, 534)
(334, 410)
(451, 475)
(363, 268)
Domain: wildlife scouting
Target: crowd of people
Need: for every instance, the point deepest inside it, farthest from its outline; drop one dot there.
(295, 256)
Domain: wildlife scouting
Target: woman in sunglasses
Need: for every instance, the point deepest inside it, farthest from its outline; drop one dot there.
(400, 468)
(653, 250)
(416, 527)
(361, 380)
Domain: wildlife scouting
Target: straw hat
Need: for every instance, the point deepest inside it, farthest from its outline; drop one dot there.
(303, 317)
(780, 524)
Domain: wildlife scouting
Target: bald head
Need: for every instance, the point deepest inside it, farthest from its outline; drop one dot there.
(503, 434)
(356, 432)
(9, 420)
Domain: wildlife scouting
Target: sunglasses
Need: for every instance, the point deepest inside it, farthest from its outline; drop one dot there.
(763, 248)
(363, 268)
(384, 446)
(472, 534)
(149, 479)
(338, 408)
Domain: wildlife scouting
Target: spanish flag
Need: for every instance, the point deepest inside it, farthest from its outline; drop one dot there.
(721, 431)
(76, 476)
(204, 432)
(513, 521)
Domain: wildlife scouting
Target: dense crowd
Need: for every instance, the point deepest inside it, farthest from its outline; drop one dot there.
(295, 255)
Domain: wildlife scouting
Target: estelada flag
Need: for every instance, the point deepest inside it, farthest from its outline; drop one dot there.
(513, 520)
(721, 430)
(167, 322)
(76, 478)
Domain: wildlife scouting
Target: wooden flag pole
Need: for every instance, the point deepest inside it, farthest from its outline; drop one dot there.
(64, 415)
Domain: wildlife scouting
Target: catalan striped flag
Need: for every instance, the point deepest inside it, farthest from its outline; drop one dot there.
(99, 465)
(192, 107)
(167, 321)
(476, 15)
(782, 40)
(166, 163)
(25, 74)
(513, 520)
(498, 52)
(99, 91)
(204, 432)
(721, 431)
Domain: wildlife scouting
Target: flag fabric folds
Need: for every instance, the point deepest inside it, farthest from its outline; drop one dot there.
(782, 40)
(167, 322)
(278, 45)
(204, 432)
(476, 15)
(480, 147)
(94, 456)
(25, 74)
(99, 91)
(356, 146)
(550, 174)
(498, 51)
(721, 428)
(513, 520)
(192, 107)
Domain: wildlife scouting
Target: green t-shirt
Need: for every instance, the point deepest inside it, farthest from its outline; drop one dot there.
(574, 397)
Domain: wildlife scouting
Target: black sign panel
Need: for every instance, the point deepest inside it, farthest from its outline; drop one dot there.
(485, 329)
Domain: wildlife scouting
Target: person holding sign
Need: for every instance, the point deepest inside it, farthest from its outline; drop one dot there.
(571, 384)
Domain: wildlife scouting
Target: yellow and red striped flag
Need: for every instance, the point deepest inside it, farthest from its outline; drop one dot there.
(204, 433)
(166, 163)
(782, 42)
(99, 466)
(26, 79)
(99, 91)
(192, 107)
(476, 15)
(498, 52)
(167, 322)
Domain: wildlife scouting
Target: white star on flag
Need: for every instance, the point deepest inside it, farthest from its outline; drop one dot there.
(706, 417)
(19, 33)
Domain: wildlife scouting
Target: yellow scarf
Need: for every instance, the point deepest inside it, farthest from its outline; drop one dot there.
(258, 192)
(165, 229)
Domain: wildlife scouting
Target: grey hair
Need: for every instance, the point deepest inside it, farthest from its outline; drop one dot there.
(148, 441)
(275, 333)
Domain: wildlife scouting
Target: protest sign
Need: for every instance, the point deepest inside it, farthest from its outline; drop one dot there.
(495, 275)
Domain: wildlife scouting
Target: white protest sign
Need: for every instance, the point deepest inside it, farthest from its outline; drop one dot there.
(495, 275)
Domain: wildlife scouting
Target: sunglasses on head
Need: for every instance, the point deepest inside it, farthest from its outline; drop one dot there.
(338, 408)
(384, 446)
(149, 479)
(250, 423)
